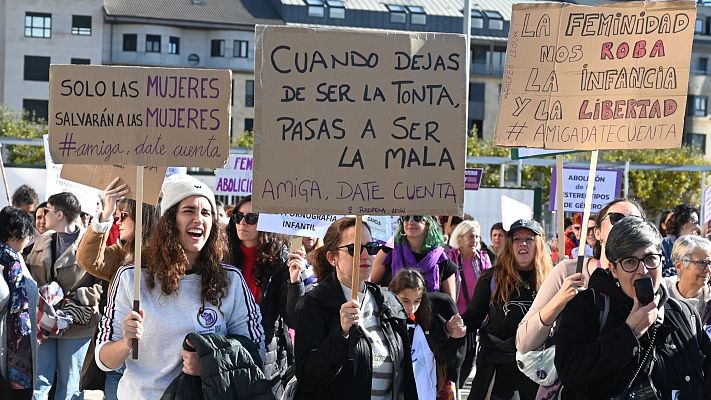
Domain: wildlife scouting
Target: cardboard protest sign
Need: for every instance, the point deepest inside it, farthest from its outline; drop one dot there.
(359, 121)
(139, 116)
(236, 178)
(613, 76)
(608, 185)
(472, 178)
(309, 225)
(88, 196)
(100, 176)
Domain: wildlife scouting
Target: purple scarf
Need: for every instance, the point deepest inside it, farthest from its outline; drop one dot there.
(403, 257)
(19, 349)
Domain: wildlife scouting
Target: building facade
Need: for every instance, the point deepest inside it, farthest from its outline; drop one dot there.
(37, 33)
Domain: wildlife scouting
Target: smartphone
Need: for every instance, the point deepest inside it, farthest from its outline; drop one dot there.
(296, 244)
(644, 290)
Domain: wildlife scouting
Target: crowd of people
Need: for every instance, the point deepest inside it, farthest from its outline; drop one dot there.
(227, 311)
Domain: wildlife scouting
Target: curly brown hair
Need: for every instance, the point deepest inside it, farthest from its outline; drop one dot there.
(167, 261)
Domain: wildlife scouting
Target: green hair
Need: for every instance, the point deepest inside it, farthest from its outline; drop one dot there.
(433, 236)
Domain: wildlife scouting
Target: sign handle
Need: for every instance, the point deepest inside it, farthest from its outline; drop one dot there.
(448, 227)
(4, 179)
(586, 211)
(560, 213)
(137, 234)
(355, 273)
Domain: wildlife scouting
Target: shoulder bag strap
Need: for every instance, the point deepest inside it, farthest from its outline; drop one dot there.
(53, 249)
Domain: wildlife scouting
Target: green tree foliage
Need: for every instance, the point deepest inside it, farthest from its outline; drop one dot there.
(246, 140)
(655, 189)
(22, 125)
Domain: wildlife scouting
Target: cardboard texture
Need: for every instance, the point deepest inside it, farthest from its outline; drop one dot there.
(613, 76)
(106, 115)
(99, 176)
(375, 123)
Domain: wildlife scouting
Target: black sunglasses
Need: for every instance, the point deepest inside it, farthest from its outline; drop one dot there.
(250, 219)
(123, 215)
(416, 218)
(370, 247)
(614, 217)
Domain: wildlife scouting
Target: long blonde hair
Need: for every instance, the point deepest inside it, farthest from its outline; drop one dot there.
(508, 279)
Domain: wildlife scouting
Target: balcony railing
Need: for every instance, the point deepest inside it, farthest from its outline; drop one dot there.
(479, 68)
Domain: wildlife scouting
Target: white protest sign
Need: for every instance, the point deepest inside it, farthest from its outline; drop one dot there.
(608, 183)
(236, 178)
(381, 227)
(707, 204)
(175, 170)
(88, 196)
(512, 210)
(309, 225)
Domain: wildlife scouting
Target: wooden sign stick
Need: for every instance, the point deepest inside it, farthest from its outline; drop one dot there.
(355, 273)
(448, 227)
(560, 214)
(4, 179)
(586, 211)
(138, 235)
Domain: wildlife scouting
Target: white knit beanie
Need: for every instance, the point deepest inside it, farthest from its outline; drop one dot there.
(178, 187)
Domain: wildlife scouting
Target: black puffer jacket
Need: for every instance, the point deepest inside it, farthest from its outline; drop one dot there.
(597, 365)
(323, 370)
(272, 303)
(228, 371)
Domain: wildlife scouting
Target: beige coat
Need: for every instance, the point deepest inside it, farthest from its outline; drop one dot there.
(97, 258)
(72, 278)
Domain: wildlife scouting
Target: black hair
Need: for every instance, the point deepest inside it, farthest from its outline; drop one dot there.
(16, 224)
(24, 195)
(497, 226)
(682, 215)
(67, 203)
(629, 235)
(597, 250)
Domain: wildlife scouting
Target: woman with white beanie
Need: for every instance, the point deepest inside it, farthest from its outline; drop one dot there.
(184, 288)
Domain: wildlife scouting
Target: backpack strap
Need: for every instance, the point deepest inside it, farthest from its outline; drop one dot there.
(53, 249)
(602, 301)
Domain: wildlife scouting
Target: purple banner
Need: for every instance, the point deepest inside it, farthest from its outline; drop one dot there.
(472, 178)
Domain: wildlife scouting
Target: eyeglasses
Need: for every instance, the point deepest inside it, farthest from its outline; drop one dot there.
(123, 215)
(651, 261)
(250, 219)
(371, 248)
(700, 264)
(527, 240)
(416, 218)
(576, 227)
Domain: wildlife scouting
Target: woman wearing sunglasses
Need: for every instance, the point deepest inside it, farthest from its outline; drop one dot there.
(262, 257)
(692, 259)
(610, 344)
(351, 349)
(103, 261)
(418, 245)
(502, 296)
(563, 283)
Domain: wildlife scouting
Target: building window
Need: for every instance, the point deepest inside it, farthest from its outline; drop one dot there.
(152, 43)
(38, 25)
(698, 26)
(476, 91)
(37, 109)
(336, 9)
(398, 13)
(496, 21)
(316, 8)
(695, 140)
(81, 61)
(217, 48)
(249, 125)
(478, 125)
(249, 94)
(174, 45)
(241, 49)
(477, 19)
(418, 16)
(81, 25)
(130, 42)
(702, 65)
(232, 96)
(697, 106)
(36, 68)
